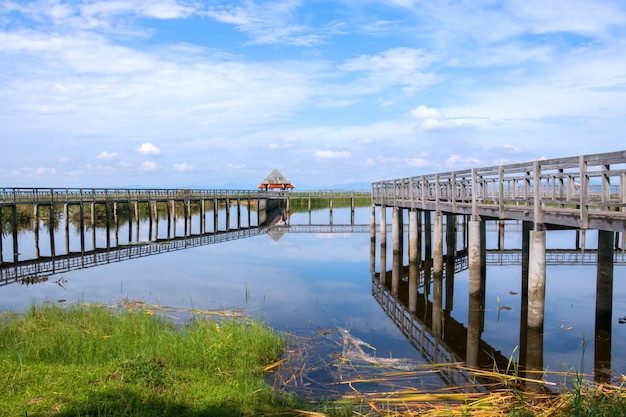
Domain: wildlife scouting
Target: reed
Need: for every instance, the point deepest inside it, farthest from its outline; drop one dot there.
(369, 385)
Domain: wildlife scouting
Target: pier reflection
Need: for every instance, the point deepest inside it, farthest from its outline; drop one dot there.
(107, 237)
(418, 293)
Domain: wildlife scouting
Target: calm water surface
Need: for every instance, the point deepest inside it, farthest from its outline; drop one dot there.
(306, 282)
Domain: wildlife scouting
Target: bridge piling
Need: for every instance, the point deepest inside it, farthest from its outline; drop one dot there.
(438, 243)
(474, 252)
(604, 308)
(451, 241)
(397, 247)
(372, 238)
(537, 279)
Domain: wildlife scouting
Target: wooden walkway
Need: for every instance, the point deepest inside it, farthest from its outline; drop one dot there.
(23, 195)
(583, 192)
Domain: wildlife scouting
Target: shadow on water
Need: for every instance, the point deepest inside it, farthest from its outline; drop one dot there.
(419, 297)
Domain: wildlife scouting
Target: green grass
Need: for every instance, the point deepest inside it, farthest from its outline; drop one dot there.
(90, 361)
(82, 360)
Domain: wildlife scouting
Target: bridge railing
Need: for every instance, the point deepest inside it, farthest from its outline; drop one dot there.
(585, 183)
(17, 195)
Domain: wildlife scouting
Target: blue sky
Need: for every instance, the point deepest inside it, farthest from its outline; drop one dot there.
(177, 93)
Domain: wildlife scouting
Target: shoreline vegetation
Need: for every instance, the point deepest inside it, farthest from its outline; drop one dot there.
(134, 360)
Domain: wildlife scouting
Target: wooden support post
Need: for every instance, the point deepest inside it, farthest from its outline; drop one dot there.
(438, 241)
(66, 220)
(82, 227)
(476, 304)
(413, 237)
(372, 238)
(383, 243)
(16, 250)
(238, 213)
(352, 208)
(451, 229)
(537, 279)
(36, 230)
(107, 225)
(168, 213)
(227, 203)
(330, 206)
(396, 232)
(215, 215)
(186, 216)
(1, 234)
(93, 225)
(604, 308)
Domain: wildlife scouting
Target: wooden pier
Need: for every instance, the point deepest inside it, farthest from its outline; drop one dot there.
(94, 208)
(585, 192)
(109, 225)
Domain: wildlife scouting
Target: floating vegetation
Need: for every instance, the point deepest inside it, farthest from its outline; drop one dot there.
(332, 367)
(148, 308)
(33, 279)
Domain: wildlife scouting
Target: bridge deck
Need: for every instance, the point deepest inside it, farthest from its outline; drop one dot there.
(586, 192)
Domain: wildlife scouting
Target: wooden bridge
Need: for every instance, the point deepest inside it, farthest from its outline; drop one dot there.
(583, 192)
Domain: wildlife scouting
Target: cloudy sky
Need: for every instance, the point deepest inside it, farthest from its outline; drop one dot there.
(210, 93)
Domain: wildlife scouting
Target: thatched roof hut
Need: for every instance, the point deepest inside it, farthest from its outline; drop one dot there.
(276, 180)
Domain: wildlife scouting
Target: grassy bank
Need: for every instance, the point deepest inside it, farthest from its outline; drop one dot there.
(83, 360)
(90, 361)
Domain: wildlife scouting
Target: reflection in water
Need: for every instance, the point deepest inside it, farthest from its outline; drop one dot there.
(37, 268)
(309, 277)
(412, 294)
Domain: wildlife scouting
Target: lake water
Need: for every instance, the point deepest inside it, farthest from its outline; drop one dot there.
(311, 284)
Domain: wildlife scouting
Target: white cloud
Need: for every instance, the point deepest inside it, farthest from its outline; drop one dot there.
(39, 172)
(328, 154)
(107, 15)
(182, 167)
(510, 148)
(418, 162)
(148, 149)
(406, 67)
(148, 166)
(588, 17)
(458, 161)
(286, 143)
(269, 23)
(235, 166)
(432, 119)
(104, 155)
(422, 160)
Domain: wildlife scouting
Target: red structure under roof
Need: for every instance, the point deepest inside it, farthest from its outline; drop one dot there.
(276, 180)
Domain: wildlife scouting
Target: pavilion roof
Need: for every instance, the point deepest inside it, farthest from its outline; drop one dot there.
(276, 179)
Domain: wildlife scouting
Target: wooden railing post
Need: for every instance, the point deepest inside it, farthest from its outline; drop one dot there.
(622, 189)
(537, 194)
(606, 187)
(584, 189)
(437, 193)
(453, 192)
(475, 216)
(527, 188)
(501, 192)
(423, 195)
